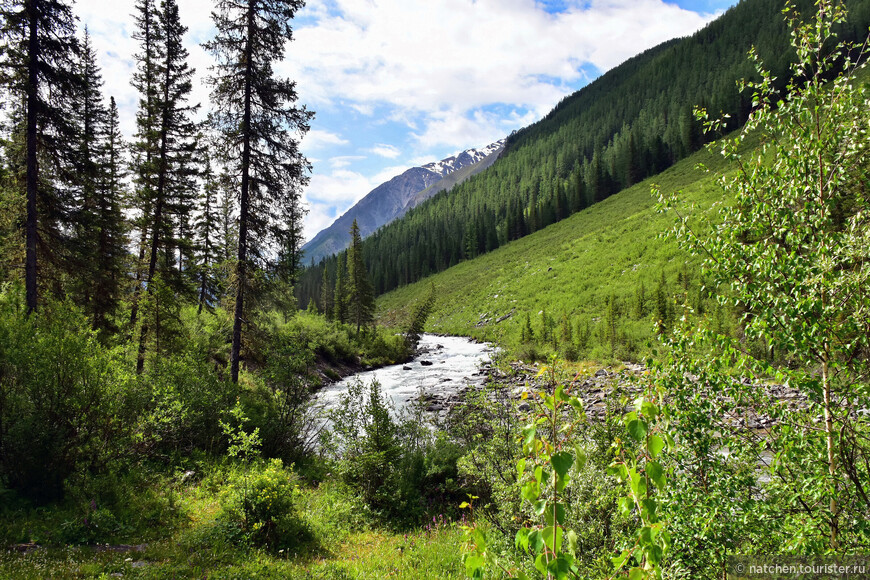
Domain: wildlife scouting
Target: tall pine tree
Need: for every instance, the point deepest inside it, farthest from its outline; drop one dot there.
(339, 296)
(147, 130)
(172, 172)
(38, 63)
(256, 115)
(208, 235)
(97, 248)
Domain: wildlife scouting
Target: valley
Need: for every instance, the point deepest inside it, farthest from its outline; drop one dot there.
(629, 339)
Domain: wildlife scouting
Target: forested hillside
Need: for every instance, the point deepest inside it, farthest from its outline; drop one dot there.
(596, 285)
(631, 123)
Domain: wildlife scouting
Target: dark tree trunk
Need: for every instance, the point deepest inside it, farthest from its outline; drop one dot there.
(31, 232)
(243, 206)
(158, 218)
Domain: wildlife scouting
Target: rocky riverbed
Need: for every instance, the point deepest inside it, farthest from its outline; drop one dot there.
(446, 368)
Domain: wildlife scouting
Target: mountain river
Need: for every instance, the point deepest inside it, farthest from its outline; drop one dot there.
(443, 366)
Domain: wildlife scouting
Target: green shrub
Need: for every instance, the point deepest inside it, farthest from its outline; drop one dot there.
(258, 507)
(281, 403)
(184, 397)
(368, 443)
(65, 401)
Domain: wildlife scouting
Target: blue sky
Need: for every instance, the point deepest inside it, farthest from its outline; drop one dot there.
(399, 83)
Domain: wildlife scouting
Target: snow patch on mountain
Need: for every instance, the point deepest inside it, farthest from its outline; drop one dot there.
(392, 199)
(468, 157)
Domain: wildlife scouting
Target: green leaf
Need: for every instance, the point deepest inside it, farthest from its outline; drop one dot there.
(625, 506)
(479, 538)
(521, 468)
(645, 537)
(654, 555)
(553, 537)
(473, 562)
(619, 561)
(649, 507)
(571, 536)
(562, 482)
(656, 474)
(649, 409)
(637, 429)
(636, 574)
(529, 435)
(578, 405)
(531, 491)
(541, 563)
(557, 510)
(559, 567)
(580, 461)
(655, 445)
(562, 462)
(536, 541)
(522, 539)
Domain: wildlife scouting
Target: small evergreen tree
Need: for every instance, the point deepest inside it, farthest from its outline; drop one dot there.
(526, 332)
(361, 295)
(326, 294)
(340, 293)
(208, 226)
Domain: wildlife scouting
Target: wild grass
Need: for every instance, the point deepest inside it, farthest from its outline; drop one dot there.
(342, 541)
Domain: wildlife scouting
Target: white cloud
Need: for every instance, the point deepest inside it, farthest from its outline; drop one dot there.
(457, 56)
(363, 109)
(342, 161)
(385, 150)
(451, 127)
(339, 187)
(319, 138)
(330, 195)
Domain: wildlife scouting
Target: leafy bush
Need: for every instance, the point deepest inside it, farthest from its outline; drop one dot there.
(400, 468)
(65, 401)
(184, 396)
(283, 399)
(258, 506)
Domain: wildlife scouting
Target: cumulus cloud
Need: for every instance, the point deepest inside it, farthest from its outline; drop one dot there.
(469, 53)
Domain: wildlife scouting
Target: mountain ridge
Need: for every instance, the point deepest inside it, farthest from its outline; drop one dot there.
(393, 198)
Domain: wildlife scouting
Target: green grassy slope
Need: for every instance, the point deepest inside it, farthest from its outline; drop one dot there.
(571, 268)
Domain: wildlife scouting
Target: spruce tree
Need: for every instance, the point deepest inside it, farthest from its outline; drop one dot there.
(97, 246)
(38, 64)
(176, 163)
(361, 295)
(339, 296)
(145, 146)
(172, 173)
(111, 226)
(257, 119)
(326, 294)
(208, 232)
